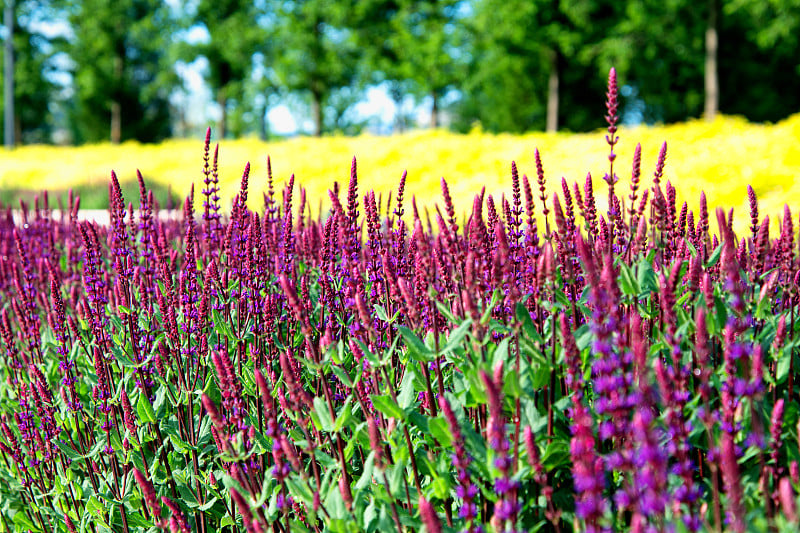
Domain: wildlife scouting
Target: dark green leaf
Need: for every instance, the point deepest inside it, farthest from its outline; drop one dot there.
(440, 431)
(407, 391)
(714, 257)
(324, 414)
(144, 409)
(646, 277)
(386, 405)
(416, 348)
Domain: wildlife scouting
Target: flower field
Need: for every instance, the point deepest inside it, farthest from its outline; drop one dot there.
(600, 358)
(720, 158)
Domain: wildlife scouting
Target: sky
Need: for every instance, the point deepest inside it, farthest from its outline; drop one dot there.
(377, 105)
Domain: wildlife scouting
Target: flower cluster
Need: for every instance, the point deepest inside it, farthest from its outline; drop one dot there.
(383, 364)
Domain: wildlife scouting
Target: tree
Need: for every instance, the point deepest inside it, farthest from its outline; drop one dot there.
(731, 56)
(664, 71)
(235, 35)
(427, 38)
(503, 89)
(539, 64)
(759, 64)
(31, 120)
(123, 73)
(8, 74)
(318, 52)
(710, 70)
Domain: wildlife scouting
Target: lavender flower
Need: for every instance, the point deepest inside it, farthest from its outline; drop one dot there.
(466, 490)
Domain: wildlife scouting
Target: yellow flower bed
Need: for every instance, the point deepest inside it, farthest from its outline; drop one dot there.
(720, 157)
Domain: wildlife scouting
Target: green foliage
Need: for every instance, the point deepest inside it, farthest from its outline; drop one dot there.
(318, 53)
(33, 90)
(517, 44)
(120, 55)
(759, 65)
(236, 32)
(497, 63)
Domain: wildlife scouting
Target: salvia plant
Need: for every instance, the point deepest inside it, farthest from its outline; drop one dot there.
(541, 364)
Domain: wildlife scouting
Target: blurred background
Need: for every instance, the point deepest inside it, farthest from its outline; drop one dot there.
(83, 71)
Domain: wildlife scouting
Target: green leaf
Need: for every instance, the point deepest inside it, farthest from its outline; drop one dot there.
(299, 490)
(407, 390)
(416, 348)
(208, 505)
(783, 365)
(440, 431)
(386, 405)
(714, 257)
(342, 375)
(555, 454)
(371, 357)
(501, 352)
(396, 473)
(187, 496)
(137, 520)
(457, 335)
(324, 414)
(524, 316)
(721, 313)
(68, 451)
(22, 520)
(646, 277)
(144, 409)
(417, 419)
(345, 415)
(94, 506)
(381, 313)
(447, 313)
(583, 337)
(487, 313)
(440, 487)
(366, 477)
(222, 326)
(628, 284)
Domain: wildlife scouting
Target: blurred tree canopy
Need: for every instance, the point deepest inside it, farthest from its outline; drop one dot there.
(506, 65)
(33, 89)
(318, 55)
(121, 71)
(234, 36)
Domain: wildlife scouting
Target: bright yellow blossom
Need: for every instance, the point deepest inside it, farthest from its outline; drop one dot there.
(720, 157)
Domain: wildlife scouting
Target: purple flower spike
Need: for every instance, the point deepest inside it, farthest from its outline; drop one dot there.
(250, 525)
(429, 518)
(177, 516)
(149, 493)
(507, 507)
(466, 490)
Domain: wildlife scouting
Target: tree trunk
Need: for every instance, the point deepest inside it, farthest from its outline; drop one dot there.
(116, 106)
(552, 93)
(435, 110)
(711, 74)
(116, 122)
(222, 123)
(396, 93)
(8, 77)
(263, 123)
(316, 112)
